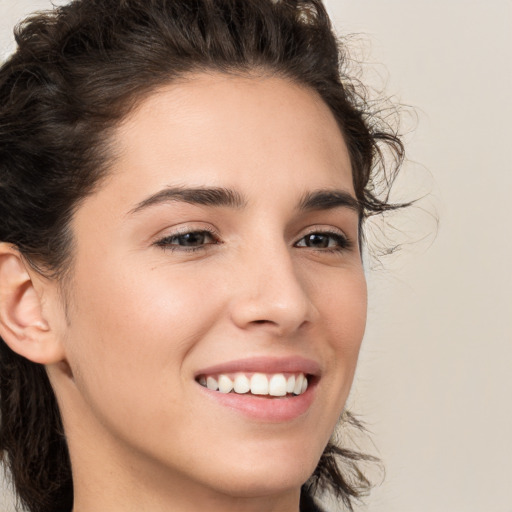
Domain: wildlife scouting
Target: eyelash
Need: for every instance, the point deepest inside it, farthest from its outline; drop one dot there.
(165, 243)
(343, 243)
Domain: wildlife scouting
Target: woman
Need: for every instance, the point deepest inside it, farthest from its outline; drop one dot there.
(182, 298)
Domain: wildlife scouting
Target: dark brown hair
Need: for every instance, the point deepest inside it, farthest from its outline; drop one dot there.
(77, 72)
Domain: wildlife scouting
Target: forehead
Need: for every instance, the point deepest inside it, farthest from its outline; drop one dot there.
(245, 125)
(269, 140)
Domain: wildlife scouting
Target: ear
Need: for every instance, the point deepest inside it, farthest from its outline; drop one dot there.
(23, 325)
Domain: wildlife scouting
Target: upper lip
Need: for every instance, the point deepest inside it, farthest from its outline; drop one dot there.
(294, 364)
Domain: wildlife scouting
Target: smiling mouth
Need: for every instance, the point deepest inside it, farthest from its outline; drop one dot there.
(259, 384)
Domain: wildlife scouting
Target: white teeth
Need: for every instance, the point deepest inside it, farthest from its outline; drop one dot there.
(211, 383)
(242, 384)
(290, 384)
(298, 384)
(277, 385)
(259, 384)
(225, 384)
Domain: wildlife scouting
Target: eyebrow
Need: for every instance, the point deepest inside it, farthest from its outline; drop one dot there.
(218, 196)
(206, 196)
(328, 199)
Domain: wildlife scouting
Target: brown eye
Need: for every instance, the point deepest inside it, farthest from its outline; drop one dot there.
(333, 241)
(317, 241)
(193, 239)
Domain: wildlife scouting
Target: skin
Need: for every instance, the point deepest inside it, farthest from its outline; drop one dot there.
(141, 319)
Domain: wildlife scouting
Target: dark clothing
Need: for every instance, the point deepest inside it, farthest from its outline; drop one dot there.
(307, 504)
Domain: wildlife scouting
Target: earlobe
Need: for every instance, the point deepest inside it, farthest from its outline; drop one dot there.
(23, 325)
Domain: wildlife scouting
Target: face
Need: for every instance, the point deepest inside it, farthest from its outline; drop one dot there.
(220, 251)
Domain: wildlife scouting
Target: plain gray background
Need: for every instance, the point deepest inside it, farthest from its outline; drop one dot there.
(434, 381)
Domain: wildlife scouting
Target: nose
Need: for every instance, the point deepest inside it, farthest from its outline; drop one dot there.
(268, 293)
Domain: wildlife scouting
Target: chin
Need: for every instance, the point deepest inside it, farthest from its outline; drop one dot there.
(267, 472)
(272, 480)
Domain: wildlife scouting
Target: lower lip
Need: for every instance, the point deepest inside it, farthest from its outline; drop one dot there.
(264, 408)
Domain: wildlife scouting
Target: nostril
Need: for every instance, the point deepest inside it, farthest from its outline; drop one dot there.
(270, 309)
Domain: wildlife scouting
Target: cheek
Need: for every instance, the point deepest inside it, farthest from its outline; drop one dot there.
(141, 308)
(131, 332)
(345, 308)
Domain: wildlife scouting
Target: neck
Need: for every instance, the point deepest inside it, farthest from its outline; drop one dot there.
(127, 493)
(108, 477)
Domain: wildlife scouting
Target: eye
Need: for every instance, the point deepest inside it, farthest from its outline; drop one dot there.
(324, 240)
(191, 240)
